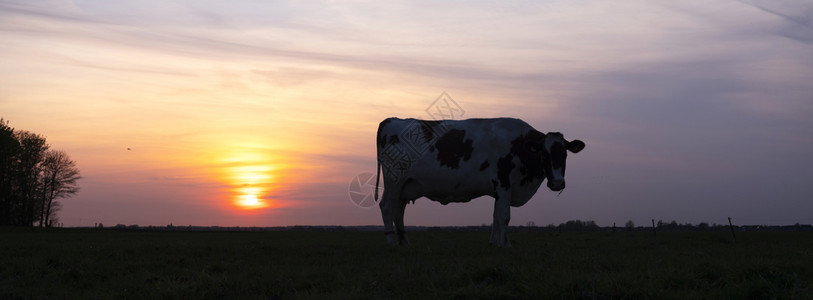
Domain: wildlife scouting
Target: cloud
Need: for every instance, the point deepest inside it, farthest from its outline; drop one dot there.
(142, 30)
(797, 14)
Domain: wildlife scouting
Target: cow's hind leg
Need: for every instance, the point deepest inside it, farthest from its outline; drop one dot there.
(399, 222)
(388, 205)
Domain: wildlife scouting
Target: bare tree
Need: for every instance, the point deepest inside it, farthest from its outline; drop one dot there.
(58, 180)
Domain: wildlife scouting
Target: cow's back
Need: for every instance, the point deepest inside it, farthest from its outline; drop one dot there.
(450, 160)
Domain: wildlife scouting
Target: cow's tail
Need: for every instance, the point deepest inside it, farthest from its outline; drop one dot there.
(377, 175)
(378, 147)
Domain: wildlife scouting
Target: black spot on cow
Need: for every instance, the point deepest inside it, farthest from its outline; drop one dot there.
(504, 167)
(430, 129)
(452, 148)
(484, 165)
(394, 139)
(529, 148)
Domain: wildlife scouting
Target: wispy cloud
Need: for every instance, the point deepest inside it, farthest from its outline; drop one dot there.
(797, 14)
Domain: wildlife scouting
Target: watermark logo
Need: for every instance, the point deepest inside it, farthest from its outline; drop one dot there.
(413, 141)
(362, 189)
(396, 161)
(445, 108)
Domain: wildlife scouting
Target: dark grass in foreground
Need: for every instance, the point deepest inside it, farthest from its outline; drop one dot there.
(86, 263)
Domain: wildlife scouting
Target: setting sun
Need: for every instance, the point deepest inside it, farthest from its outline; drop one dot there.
(251, 202)
(248, 173)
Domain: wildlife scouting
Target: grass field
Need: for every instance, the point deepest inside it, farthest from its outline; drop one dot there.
(110, 264)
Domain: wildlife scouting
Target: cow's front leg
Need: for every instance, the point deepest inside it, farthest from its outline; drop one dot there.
(399, 223)
(502, 215)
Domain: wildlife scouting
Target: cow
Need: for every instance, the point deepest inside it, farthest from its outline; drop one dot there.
(459, 160)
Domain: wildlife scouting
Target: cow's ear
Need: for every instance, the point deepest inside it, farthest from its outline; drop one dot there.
(575, 146)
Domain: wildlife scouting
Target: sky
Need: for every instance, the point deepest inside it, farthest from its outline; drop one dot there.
(263, 113)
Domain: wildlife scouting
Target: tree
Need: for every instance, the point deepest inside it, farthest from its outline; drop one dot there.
(28, 172)
(31, 178)
(630, 225)
(9, 150)
(20, 153)
(58, 180)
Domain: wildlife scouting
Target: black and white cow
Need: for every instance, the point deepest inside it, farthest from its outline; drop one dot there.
(459, 160)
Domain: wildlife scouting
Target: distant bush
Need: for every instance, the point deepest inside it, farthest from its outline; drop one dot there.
(579, 225)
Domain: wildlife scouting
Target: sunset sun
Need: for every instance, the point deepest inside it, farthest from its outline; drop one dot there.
(251, 202)
(249, 174)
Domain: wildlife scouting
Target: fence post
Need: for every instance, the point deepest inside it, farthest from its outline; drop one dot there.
(654, 233)
(732, 229)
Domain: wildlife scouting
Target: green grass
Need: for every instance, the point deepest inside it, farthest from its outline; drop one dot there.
(108, 264)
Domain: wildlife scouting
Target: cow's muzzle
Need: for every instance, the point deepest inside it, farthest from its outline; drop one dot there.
(556, 185)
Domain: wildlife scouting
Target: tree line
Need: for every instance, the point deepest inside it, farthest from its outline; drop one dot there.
(33, 178)
(660, 226)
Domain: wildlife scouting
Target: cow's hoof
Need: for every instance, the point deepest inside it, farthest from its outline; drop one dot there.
(392, 240)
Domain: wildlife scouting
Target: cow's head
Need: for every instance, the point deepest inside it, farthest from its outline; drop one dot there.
(552, 150)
